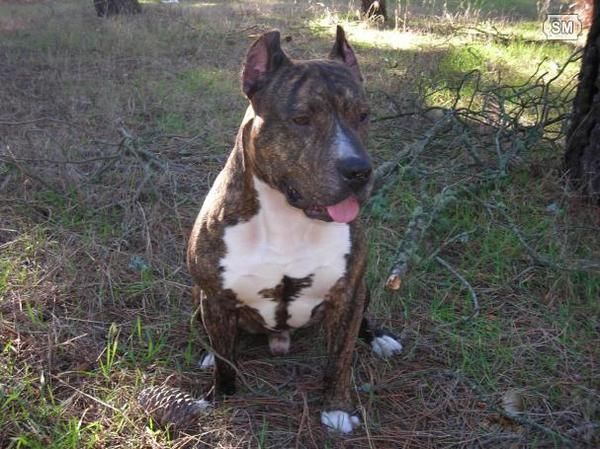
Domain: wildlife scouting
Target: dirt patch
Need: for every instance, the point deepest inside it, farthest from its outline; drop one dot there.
(8, 24)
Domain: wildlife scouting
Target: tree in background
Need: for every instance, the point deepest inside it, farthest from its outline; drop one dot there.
(584, 9)
(105, 8)
(582, 156)
(373, 8)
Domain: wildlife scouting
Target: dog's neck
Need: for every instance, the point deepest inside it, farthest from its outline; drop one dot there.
(282, 222)
(277, 217)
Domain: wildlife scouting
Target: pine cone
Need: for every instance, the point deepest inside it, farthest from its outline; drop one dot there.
(169, 406)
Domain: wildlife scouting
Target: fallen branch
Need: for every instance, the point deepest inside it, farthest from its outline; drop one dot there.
(128, 146)
(412, 151)
(419, 223)
(13, 161)
(501, 114)
(131, 147)
(590, 266)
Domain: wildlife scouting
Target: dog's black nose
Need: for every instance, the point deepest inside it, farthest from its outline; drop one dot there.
(356, 171)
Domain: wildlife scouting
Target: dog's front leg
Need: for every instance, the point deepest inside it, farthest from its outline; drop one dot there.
(219, 318)
(342, 324)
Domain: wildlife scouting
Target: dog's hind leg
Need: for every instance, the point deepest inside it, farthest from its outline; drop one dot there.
(207, 361)
(383, 343)
(220, 322)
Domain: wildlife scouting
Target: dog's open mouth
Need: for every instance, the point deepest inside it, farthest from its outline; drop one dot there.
(343, 212)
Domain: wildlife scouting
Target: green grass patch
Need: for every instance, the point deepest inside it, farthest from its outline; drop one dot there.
(482, 351)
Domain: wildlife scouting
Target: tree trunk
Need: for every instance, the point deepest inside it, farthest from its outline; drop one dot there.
(582, 156)
(373, 8)
(105, 8)
(585, 10)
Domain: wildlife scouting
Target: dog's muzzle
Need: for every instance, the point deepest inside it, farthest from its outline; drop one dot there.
(355, 171)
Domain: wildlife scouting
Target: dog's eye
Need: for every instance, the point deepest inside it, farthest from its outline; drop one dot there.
(301, 120)
(363, 117)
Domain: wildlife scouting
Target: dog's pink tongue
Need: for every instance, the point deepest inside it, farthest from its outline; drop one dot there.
(344, 211)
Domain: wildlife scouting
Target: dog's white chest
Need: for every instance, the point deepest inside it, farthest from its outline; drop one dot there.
(281, 263)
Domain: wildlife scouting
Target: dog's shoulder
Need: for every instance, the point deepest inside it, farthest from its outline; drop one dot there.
(228, 202)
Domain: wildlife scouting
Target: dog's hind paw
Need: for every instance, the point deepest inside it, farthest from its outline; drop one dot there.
(386, 345)
(339, 421)
(207, 361)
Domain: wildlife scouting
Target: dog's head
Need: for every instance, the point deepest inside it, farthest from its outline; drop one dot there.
(311, 119)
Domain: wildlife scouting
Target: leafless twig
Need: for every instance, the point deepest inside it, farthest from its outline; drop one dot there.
(411, 151)
(461, 278)
(585, 265)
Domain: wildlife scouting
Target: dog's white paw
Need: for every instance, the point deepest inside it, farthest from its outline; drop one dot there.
(207, 361)
(386, 345)
(339, 421)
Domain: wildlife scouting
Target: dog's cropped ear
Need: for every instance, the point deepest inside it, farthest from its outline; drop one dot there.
(342, 51)
(263, 59)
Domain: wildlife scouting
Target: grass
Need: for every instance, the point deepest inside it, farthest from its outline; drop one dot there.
(111, 132)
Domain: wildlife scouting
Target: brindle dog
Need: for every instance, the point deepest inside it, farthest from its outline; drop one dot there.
(278, 244)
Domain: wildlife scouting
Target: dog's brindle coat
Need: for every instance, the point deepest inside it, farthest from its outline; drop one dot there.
(264, 253)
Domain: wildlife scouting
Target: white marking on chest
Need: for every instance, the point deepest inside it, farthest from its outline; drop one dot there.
(281, 241)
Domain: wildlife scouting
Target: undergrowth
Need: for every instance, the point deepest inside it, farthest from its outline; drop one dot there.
(111, 132)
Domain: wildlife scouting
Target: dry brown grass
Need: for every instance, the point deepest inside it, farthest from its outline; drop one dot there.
(111, 132)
